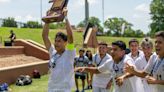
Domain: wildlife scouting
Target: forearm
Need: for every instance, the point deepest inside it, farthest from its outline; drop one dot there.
(127, 75)
(93, 70)
(160, 82)
(69, 31)
(45, 34)
(140, 73)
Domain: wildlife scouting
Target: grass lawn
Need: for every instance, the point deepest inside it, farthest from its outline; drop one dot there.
(35, 34)
(38, 85)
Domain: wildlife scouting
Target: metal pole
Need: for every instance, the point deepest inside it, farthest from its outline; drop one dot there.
(41, 11)
(103, 13)
(86, 12)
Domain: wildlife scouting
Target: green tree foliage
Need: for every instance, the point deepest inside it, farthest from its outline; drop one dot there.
(60, 25)
(33, 24)
(157, 16)
(9, 22)
(94, 21)
(115, 25)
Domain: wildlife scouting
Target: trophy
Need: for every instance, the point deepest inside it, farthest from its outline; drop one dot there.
(55, 14)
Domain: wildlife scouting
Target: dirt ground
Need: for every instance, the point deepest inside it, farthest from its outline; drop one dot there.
(6, 61)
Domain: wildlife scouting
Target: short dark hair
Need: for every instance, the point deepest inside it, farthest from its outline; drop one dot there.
(133, 40)
(62, 36)
(82, 49)
(120, 44)
(103, 43)
(160, 34)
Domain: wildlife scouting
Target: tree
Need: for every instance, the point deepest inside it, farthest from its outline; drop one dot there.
(94, 21)
(9, 22)
(157, 16)
(115, 25)
(33, 24)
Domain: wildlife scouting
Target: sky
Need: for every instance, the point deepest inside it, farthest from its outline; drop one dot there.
(136, 12)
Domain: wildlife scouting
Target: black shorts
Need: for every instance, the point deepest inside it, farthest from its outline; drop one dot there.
(81, 76)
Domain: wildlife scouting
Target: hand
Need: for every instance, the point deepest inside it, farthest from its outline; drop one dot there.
(81, 69)
(150, 79)
(109, 84)
(119, 80)
(65, 11)
(128, 68)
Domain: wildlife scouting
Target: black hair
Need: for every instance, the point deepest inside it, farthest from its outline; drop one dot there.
(90, 58)
(120, 44)
(133, 40)
(103, 43)
(81, 50)
(62, 36)
(160, 34)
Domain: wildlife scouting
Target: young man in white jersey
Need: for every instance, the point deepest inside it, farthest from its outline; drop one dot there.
(62, 54)
(135, 54)
(147, 48)
(115, 68)
(134, 48)
(155, 66)
(99, 82)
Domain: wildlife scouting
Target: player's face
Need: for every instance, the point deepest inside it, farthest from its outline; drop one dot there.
(81, 53)
(159, 46)
(147, 50)
(102, 49)
(59, 44)
(117, 52)
(134, 47)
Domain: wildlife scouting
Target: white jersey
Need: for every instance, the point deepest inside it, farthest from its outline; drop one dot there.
(140, 66)
(155, 67)
(101, 80)
(117, 71)
(140, 54)
(136, 81)
(62, 74)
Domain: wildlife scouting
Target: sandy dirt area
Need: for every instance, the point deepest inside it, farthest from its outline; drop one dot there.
(6, 61)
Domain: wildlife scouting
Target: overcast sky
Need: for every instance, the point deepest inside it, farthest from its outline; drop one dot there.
(134, 11)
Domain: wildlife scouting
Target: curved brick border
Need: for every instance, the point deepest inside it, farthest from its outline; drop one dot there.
(29, 48)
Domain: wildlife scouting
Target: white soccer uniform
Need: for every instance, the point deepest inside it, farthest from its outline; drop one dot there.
(117, 71)
(136, 81)
(140, 65)
(62, 75)
(101, 80)
(155, 67)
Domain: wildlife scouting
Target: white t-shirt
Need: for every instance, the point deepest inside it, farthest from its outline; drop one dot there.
(101, 80)
(62, 75)
(117, 71)
(155, 67)
(140, 64)
(136, 81)
(140, 54)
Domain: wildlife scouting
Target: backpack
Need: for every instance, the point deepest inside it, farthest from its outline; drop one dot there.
(23, 80)
(4, 87)
(36, 74)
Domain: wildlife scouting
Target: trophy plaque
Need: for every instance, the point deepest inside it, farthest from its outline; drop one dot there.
(55, 14)
(89, 37)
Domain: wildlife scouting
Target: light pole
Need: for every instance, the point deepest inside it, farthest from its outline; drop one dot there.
(86, 12)
(41, 11)
(103, 13)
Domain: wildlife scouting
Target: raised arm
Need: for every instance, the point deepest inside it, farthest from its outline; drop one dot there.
(68, 28)
(45, 37)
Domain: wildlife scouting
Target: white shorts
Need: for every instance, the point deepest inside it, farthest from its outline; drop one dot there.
(98, 89)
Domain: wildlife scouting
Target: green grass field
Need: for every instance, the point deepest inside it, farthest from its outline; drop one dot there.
(35, 34)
